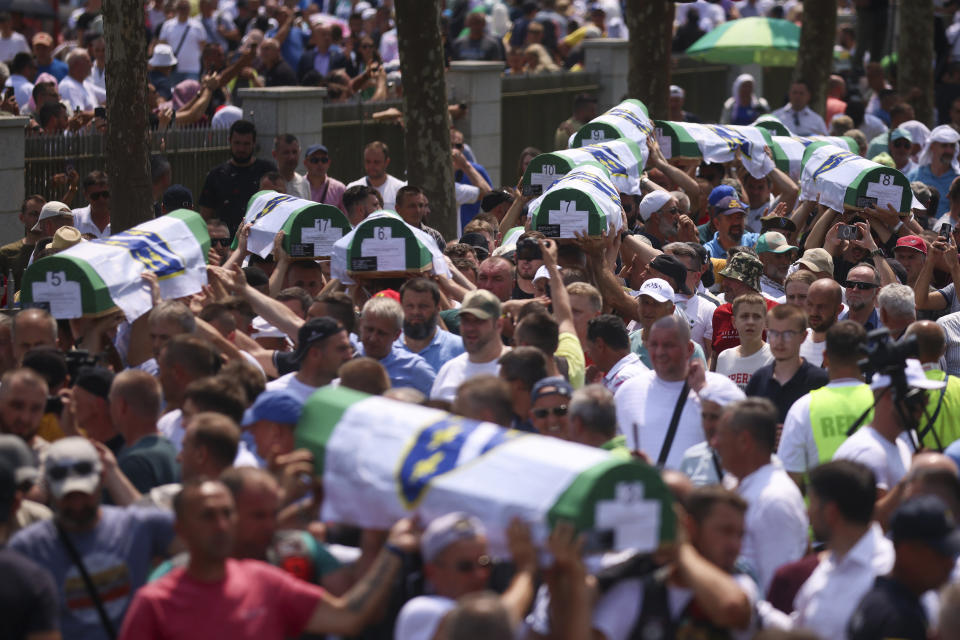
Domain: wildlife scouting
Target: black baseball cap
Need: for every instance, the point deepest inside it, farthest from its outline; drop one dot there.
(495, 199)
(479, 244)
(94, 380)
(314, 330)
(177, 196)
(928, 520)
(668, 265)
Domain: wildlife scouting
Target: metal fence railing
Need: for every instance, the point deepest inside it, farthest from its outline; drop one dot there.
(192, 152)
(348, 127)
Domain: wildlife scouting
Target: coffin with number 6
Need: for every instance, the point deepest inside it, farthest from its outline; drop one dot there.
(622, 158)
(629, 120)
(310, 228)
(93, 278)
(585, 201)
(384, 246)
(839, 179)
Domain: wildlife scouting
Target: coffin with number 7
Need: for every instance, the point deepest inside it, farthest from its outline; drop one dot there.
(622, 158)
(310, 228)
(839, 179)
(384, 246)
(585, 201)
(94, 278)
(382, 460)
(629, 120)
(715, 143)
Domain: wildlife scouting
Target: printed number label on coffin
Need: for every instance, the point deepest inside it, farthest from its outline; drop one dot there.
(442, 447)
(886, 191)
(61, 294)
(546, 177)
(149, 249)
(390, 252)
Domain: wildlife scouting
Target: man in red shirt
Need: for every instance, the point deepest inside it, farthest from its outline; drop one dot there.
(740, 276)
(218, 596)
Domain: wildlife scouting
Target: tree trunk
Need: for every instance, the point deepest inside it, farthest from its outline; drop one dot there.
(127, 143)
(427, 125)
(650, 23)
(915, 57)
(815, 57)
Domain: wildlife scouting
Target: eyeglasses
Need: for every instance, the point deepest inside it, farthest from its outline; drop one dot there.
(61, 472)
(789, 334)
(467, 566)
(457, 145)
(862, 286)
(557, 411)
(223, 242)
(96, 195)
(318, 160)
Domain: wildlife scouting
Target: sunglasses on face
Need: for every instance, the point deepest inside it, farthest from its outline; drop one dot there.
(862, 286)
(223, 242)
(557, 411)
(61, 472)
(96, 195)
(320, 160)
(468, 566)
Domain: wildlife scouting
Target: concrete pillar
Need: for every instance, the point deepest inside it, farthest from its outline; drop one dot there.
(276, 110)
(478, 85)
(610, 59)
(11, 177)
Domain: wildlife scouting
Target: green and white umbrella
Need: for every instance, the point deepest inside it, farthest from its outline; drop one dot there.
(585, 201)
(310, 228)
(770, 42)
(715, 143)
(839, 179)
(384, 246)
(623, 159)
(93, 278)
(629, 119)
(381, 460)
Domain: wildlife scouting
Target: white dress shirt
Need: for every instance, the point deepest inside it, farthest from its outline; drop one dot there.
(805, 122)
(77, 94)
(828, 598)
(776, 522)
(626, 367)
(85, 224)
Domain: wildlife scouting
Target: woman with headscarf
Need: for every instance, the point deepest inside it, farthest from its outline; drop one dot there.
(743, 107)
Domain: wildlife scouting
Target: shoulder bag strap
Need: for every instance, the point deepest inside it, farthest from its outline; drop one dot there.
(88, 583)
(186, 30)
(936, 414)
(674, 423)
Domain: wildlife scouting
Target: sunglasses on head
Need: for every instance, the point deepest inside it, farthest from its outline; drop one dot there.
(223, 242)
(557, 411)
(96, 195)
(863, 286)
(467, 566)
(318, 160)
(61, 472)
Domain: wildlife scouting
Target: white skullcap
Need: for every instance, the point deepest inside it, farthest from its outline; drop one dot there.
(722, 391)
(944, 134)
(653, 202)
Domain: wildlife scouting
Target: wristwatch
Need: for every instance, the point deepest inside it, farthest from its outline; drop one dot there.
(878, 252)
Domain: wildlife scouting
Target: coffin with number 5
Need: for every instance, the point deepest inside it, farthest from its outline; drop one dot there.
(839, 179)
(622, 158)
(310, 228)
(96, 277)
(585, 201)
(384, 246)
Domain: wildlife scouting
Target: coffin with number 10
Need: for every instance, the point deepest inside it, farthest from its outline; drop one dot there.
(622, 158)
(583, 201)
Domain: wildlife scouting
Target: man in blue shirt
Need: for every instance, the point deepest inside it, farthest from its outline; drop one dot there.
(938, 163)
(380, 326)
(420, 299)
(729, 220)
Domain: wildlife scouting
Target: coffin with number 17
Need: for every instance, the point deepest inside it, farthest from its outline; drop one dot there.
(310, 228)
(96, 277)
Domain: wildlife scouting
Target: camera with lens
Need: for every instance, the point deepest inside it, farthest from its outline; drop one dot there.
(529, 249)
(886, 356)
(76, 360)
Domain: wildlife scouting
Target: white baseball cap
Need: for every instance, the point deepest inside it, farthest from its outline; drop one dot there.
(658, 289)
(52, 209)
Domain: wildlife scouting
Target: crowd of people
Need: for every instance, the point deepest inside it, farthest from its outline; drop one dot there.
(151, 480)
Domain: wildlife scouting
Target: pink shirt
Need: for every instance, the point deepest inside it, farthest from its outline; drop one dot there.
(330, 192)
(255, 600)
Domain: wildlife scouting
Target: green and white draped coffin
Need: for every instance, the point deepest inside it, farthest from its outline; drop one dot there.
(93, 278)
(788, 150)
(622, 158)
(381, 460)
(310, 228)
(772, 124)
(837, 178)
(585, 201)
(384, 246)
(629, 119)
(715, 143)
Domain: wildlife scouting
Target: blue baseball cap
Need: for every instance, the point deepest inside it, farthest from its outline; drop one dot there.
(721, 192)
(276, 406)
(312, 149)
(550, 386)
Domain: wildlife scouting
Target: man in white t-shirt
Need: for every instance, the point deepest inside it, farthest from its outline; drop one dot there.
(322, 346)
(74, 89)
(823, 305)
(699, 308)
(186, 36)
(646, 402)
(376, 159)
(749, 319)
(480, 331)
(11, 42)
(456, 562)
(878, 445)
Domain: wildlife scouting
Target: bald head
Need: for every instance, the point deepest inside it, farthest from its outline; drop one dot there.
(829, 288)
(931, 341)
(933, 460)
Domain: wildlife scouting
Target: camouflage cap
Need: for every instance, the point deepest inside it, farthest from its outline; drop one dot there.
(745, 268)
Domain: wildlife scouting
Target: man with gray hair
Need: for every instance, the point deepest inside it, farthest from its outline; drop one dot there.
(593, 420)
(898, 308)
(380, 325)
(74, 90)
(700, 462)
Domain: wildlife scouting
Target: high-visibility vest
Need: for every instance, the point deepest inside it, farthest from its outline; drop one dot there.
(833, 410)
